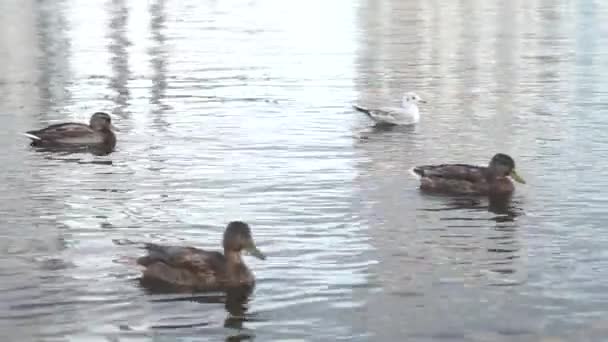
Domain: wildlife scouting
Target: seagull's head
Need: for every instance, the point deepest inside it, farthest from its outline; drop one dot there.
(412, 98)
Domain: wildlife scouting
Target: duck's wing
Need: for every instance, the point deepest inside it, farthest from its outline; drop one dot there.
(189, 258)
(453, 186)
(462, 172)
(66, 133)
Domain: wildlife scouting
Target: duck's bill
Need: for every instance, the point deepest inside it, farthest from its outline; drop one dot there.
(517, 177)
(114, 128)
(254, 251)
(422, 101)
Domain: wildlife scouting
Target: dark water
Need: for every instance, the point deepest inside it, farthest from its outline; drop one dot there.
(241, 110)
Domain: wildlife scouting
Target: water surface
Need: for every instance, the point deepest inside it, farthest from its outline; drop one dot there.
(241, 110)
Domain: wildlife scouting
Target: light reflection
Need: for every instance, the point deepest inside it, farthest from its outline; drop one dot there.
(117, 28)
(158, 60)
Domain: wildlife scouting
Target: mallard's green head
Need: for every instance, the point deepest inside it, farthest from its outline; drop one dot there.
(101, 121)
(503, 165)
(237, 237)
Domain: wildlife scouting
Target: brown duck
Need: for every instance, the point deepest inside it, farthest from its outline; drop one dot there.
(97, 133)
(190, 268)
(464, 179)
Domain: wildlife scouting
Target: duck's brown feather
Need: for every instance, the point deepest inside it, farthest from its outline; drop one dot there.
(185, 257)
(189, 267)
(461, 179)
(466, 172)
(71, 134)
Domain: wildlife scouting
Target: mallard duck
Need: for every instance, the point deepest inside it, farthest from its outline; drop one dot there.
(407, 114)
(97, 133)
(198, 270)
(469, 179)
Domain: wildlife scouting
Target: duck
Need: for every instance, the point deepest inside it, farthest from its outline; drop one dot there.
(465, 179)
(194, 269)
(407, 114)
(99, 132)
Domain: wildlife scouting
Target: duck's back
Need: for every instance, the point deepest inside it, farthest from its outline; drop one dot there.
(71, 134)
(462, 179)
(186, 267)
(453, 178)
(467, 172)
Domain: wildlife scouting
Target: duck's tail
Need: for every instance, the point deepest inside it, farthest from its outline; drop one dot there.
(153, 252)
(126, 260)
(363, 110)
(417, 172)
(32, 136)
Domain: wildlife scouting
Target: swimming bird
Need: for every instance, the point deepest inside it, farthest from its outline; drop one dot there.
(97, 133)
(464, 179)
(407, 114)
(199, 270)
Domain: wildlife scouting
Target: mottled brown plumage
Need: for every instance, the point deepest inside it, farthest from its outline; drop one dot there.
(97, 133)
(463, 179)
(199, 270)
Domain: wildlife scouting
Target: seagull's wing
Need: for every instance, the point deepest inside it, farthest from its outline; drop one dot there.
(386, 115)
(381, 115)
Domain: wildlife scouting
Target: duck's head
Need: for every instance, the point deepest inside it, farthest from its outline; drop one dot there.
(412, 98)
(101, 121)
(503, 165)
(237, 238)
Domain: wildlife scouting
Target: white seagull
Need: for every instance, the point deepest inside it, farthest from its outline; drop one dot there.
(407, 114)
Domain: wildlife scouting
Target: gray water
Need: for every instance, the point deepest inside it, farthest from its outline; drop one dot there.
(241, 110)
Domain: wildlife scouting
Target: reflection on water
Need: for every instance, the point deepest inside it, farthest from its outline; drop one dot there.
(235, 302)
(158, 59)
(76, 150)
(118, 42)
(504, 208)
(241, 110)
(461, 218)
(54, 47)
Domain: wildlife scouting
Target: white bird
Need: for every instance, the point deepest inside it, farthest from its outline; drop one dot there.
(407, 114)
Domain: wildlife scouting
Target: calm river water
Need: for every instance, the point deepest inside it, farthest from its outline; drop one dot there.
(241, 110)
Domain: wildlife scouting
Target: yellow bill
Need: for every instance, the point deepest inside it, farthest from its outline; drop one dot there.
(517, 177)
(254, 251)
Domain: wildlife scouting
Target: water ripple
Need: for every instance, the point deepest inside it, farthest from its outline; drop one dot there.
(241, 110)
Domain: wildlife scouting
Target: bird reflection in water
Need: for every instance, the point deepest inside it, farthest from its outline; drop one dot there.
(235, 300)
(379, 129)
(504, 207)
(75, 156)
(465, 220)
(94, 150)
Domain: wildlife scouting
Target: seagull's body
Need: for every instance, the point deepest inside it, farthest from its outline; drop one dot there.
(407, 114)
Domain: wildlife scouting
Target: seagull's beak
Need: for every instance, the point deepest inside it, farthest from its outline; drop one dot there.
(422, 101)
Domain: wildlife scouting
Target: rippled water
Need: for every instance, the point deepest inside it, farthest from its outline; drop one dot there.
(241, 110)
